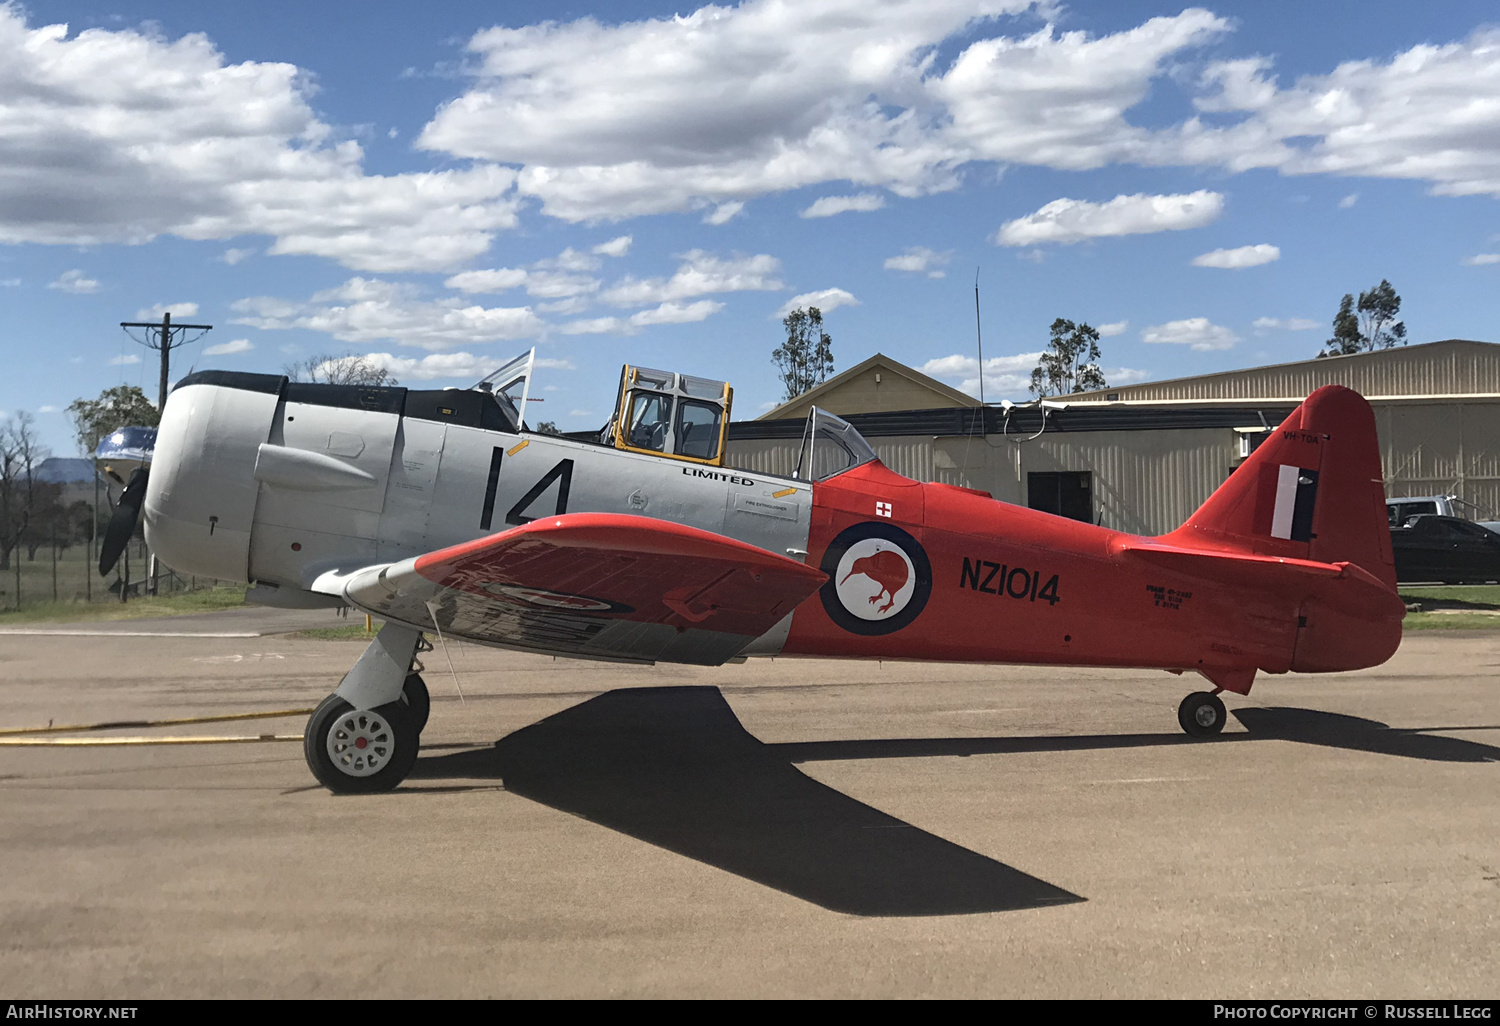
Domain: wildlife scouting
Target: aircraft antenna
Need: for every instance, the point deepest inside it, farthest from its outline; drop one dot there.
(164, 337)
(979, 337)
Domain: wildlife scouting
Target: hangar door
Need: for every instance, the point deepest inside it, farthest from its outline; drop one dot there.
(1068, 494)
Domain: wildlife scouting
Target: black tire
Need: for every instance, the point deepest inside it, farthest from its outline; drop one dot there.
(418, 701)
(391, 738)
(1201, 714)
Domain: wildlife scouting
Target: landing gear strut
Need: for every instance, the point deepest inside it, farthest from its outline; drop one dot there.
(1202, 714)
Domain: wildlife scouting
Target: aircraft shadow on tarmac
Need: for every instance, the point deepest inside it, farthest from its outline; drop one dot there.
(675, 767)
(1308, 726)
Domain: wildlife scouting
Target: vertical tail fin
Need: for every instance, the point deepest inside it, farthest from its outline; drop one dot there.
(1313, 490)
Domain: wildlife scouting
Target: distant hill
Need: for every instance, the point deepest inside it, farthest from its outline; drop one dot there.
(66, 470)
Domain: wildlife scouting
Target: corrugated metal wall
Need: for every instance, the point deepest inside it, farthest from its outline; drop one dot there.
(1436, 368)
(1149, 482)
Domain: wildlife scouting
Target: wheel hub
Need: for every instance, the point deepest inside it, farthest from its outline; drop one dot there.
(1206, 715)
(361, 743)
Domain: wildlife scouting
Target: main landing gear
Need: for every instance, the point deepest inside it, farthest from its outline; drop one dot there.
(1202, 714)
(364, 737)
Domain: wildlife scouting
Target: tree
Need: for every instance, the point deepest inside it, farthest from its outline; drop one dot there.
(121, 406)
(343, 369)
(1375, 326)
(548, 427)
(1070, 362)
(805, 359)
(20, 491)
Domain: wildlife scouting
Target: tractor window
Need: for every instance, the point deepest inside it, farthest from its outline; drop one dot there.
(650, 418)
(698, 430)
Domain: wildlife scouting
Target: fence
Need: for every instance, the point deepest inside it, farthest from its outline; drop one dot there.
(64, 575)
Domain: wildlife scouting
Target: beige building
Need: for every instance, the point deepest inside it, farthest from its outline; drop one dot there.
(879, 385)
(1141, 458)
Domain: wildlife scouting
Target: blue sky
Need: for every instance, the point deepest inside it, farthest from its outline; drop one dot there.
(444, 186)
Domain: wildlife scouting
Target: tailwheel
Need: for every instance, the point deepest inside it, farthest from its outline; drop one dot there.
(418, 701)
(1202, 714)
(360, 751)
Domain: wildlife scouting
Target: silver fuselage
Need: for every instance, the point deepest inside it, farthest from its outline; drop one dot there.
(275, 485)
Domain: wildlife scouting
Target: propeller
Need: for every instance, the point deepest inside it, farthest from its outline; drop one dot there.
(122, 521)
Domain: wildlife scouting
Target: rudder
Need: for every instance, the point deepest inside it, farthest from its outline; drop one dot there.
(1312, 490)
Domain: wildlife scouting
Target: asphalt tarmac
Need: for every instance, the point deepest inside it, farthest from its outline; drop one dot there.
(784, 828)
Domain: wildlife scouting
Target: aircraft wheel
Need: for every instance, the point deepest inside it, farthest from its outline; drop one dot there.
(418, 701)
(1202, 714)
(360, 751)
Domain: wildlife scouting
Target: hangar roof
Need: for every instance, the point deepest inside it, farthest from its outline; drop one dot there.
(1452, 367)
(879, 385)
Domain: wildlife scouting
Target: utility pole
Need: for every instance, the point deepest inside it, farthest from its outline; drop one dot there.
(164, 338)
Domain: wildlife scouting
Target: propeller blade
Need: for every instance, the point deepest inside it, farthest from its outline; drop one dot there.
(122, 521)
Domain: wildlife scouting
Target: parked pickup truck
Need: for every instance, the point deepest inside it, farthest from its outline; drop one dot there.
(1400, 510)
(1450, 550)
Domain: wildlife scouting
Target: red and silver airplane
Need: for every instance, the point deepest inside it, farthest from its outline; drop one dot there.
(439, 511)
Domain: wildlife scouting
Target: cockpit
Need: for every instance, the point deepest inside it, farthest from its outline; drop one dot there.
(671, 414)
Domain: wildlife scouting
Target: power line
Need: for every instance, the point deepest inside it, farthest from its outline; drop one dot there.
(167, 337)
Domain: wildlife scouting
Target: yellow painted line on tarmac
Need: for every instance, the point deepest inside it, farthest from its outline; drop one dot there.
(28, 632)
(109, 742)
(75, 728)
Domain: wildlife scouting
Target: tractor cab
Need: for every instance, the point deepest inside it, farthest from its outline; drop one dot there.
(669, 414)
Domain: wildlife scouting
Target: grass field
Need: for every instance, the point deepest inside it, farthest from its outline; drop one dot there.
(1471, 607)
(69, 588)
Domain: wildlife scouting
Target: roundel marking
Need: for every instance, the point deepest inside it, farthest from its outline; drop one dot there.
(879, 579)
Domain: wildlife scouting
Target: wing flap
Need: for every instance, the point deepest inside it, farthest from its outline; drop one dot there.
(599, 585)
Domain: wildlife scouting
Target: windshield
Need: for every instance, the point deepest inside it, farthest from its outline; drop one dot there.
(830, 446)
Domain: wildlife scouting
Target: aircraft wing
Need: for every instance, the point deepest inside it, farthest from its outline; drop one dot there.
(594, 585)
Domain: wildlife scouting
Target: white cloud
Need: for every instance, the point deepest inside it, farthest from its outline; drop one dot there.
(677, 313)
(46, 409)
(1265, 324)
(1430, 113)
(699, 274)
(75, 281)
(1235, 259)
(920, 260)
(1197, 332)
(10, 283)
(177, 310)
(235, 256)
(238, 345)
(1112, 329)
(828, 206)
(595, 326)
(1067, 221)
(616, 247)
(365, 310)
(570, 260)
(723, 213)
(580, 413)
(128, 358)
(123, 135)
(1349, 201)
(1481, 259)
(728, 103)
(824, 299)
(498, 279)
(1003, 375)
(437, 365)
(1124, 375)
